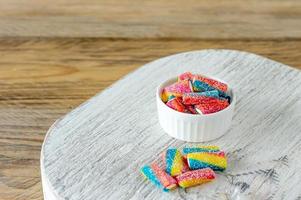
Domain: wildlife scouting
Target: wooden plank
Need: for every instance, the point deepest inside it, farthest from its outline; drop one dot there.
(42, 79)
(96, 151)
(152, 19)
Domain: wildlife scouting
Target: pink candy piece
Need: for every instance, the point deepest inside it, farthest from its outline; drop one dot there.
(166, 180)
(176, 104)
(185, 76)
(212, 106)
(179, 88)
(195, 177)
(214, 83)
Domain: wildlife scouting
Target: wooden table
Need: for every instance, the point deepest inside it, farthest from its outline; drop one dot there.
(56, 55)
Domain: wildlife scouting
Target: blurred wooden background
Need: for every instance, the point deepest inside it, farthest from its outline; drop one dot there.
(54, 55)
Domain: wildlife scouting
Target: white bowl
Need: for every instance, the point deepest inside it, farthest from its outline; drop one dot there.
(194, 128)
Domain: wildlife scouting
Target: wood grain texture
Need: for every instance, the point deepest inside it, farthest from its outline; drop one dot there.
(95, 151)
(152, 19)
(42, 79)
(45, 71)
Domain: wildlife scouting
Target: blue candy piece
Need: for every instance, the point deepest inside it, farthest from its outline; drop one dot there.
(171, 97)
(196, 164)
(212, 93)
(187, 150)
(199, 86)
(150, 175)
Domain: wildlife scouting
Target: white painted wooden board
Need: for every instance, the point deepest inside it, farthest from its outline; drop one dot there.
(96, 151)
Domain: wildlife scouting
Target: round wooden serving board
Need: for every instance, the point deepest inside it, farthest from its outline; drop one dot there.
(96, 151)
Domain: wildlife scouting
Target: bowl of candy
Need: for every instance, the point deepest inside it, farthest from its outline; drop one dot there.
(194, 107)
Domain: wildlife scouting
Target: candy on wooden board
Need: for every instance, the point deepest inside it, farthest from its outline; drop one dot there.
(159, 177)
(199, 160)
(174, 162)
(195, 177)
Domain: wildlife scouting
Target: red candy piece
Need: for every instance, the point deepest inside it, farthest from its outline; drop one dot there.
(165, 179)
(190, 99)
(214, 83)
(212, 106)
(176, 104)
(191, 109)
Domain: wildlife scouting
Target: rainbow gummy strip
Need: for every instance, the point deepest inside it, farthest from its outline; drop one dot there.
(216, 162)
(174, 162)
(195, 177)
(159, 177)
(211, 106)
(177, 89)
(213, 83)
(208, 148)
(176, 104)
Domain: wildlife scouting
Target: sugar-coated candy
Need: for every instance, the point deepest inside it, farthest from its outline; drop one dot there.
(196, 166)
(199, 160)
(195, 177)
(178, 89)
(191, 109)
(176, 104)
(159, 177)
(213, 83)
(211, 93)
(185, 76)
(194, 98)
(196, 94)
(174, 162)
(200, 86)
(195, 149)
(211, 106)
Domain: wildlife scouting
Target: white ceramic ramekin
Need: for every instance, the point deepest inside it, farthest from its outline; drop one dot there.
(194, 128)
